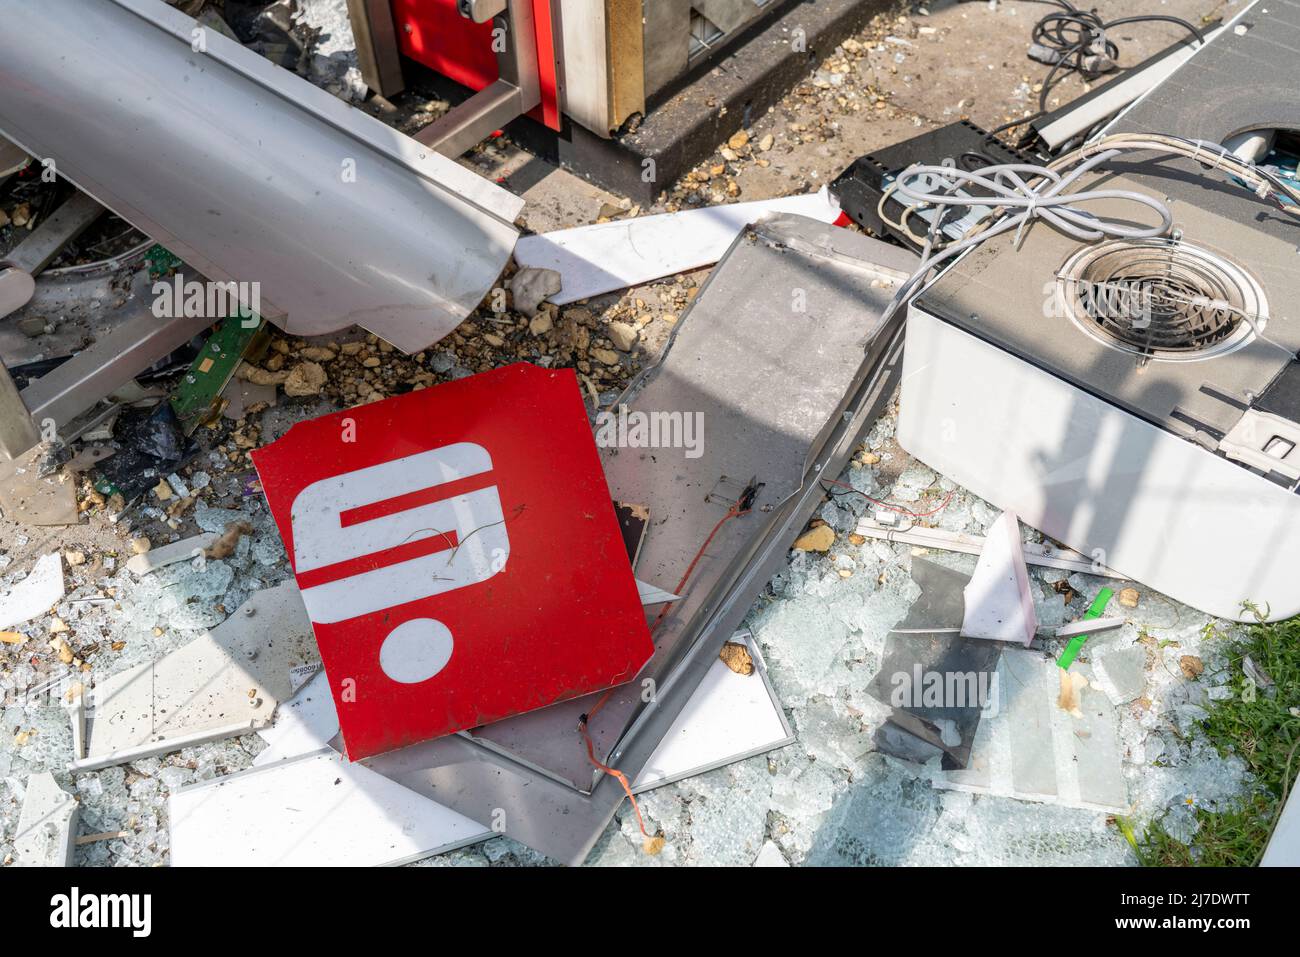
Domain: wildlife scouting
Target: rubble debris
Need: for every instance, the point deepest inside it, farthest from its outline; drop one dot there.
(527, 422)
(242, 397)
(530, 286)
(819, 539)
(34, 595)
(736, 657)
(47, 825)
(628, 252)
(263, 377)
(799, 794)
(1072, 684)
(61, 650)
(226, 682)
(306, 378)
(998, 603)
(223, 546)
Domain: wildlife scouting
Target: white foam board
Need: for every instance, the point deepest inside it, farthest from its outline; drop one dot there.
(729, 717)
(35, 594)
(317, 810)
(627, 252)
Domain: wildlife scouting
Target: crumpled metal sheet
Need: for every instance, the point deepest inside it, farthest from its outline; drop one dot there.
(784, 401)
(250, 173)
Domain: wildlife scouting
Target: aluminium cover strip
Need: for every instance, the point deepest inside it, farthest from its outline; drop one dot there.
(252, 174)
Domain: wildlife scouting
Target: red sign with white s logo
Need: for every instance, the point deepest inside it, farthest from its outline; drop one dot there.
(458, 554)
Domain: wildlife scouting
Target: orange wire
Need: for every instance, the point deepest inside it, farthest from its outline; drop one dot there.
(734, 511)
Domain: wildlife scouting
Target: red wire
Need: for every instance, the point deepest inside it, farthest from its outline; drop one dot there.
(895, 508)
(734, 511)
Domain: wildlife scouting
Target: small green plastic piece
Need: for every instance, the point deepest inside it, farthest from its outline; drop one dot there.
(1076, 643)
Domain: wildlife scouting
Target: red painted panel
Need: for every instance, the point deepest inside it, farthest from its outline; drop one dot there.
(458, 553)
(546, 71)
(432, 32)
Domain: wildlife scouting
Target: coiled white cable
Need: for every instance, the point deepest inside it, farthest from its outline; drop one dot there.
(1020, 193)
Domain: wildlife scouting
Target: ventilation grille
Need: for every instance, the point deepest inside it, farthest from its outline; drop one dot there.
(1161, 299)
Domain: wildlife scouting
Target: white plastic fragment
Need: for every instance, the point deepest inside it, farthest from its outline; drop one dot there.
(999, 605)
(770, 856)
(157, 558)
(47, 824)
(35, 594)
(891, 527)
(652, 594)
(627, 252)
(1088, 626)
(1284, 846)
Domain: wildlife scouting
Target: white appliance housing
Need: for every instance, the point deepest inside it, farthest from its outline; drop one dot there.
(1161, 508)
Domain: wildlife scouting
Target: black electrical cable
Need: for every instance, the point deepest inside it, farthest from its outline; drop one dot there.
(1075, 41)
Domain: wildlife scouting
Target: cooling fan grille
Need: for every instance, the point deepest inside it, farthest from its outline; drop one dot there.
(1161, 298)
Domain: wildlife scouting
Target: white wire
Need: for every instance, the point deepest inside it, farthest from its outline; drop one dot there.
(1022, 192)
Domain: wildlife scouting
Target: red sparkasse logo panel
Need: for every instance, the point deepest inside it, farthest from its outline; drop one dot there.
(458, 553)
